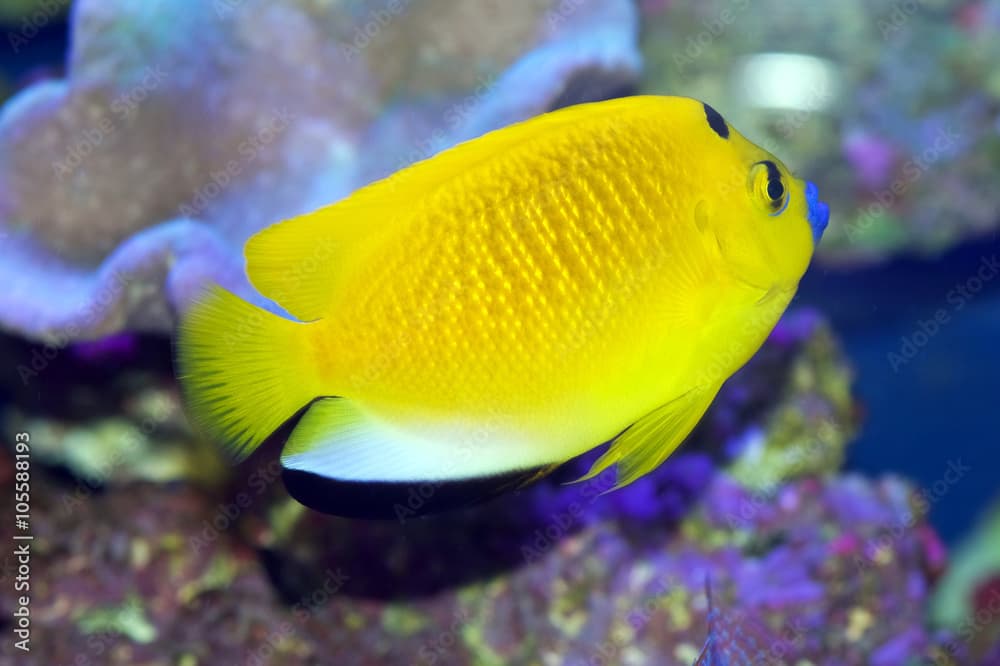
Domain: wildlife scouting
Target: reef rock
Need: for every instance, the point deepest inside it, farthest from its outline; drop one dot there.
(183, 128)
(830, 572)
(106, 412)
(242, 573)
(803, 565)
(118, 417)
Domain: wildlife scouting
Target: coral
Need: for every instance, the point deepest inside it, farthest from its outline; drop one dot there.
(116, 415)
(116, 581)
(554, 569)
(789, 413)
(832, 572)
(799, 413)
(183, 128)
(871, 157)
(239, 573)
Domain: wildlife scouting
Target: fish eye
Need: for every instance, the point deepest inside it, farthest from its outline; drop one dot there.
(775, 190)
(767, 189)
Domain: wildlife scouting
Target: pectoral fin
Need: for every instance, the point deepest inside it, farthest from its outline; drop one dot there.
(648, 442)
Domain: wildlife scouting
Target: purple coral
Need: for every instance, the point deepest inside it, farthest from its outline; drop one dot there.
(872, 158)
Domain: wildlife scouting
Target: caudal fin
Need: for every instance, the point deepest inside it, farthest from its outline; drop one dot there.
(243, 370)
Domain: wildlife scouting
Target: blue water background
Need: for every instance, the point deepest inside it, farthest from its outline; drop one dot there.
(943, 405)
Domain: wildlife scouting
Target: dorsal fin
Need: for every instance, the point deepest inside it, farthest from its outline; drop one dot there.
(296, 262)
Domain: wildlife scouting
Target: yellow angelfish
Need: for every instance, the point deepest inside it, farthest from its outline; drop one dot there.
(471, 322)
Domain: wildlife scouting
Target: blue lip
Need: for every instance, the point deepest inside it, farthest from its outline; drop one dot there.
(819, 212)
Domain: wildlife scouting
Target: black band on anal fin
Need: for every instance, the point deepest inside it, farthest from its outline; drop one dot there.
(399, 500)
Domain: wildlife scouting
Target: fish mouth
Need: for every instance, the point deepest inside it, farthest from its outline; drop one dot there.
(818, 212)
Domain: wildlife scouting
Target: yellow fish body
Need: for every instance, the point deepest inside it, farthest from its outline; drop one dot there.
(473, 321)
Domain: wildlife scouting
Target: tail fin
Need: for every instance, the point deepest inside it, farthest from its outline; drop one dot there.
(243, 370)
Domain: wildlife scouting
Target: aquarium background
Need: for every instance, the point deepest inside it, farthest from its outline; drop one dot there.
(841, 496)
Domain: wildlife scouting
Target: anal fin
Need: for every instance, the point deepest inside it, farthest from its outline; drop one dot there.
(345, 461)
(650, 440)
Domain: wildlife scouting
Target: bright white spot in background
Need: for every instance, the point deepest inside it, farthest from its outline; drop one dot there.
(787, 81)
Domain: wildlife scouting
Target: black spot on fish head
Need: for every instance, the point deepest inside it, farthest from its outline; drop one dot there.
(716, 121)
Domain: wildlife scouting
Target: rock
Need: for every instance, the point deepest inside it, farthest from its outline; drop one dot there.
(114, 579)
(832, 572)
(107, 413)
(239, 573)
(118, 417)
